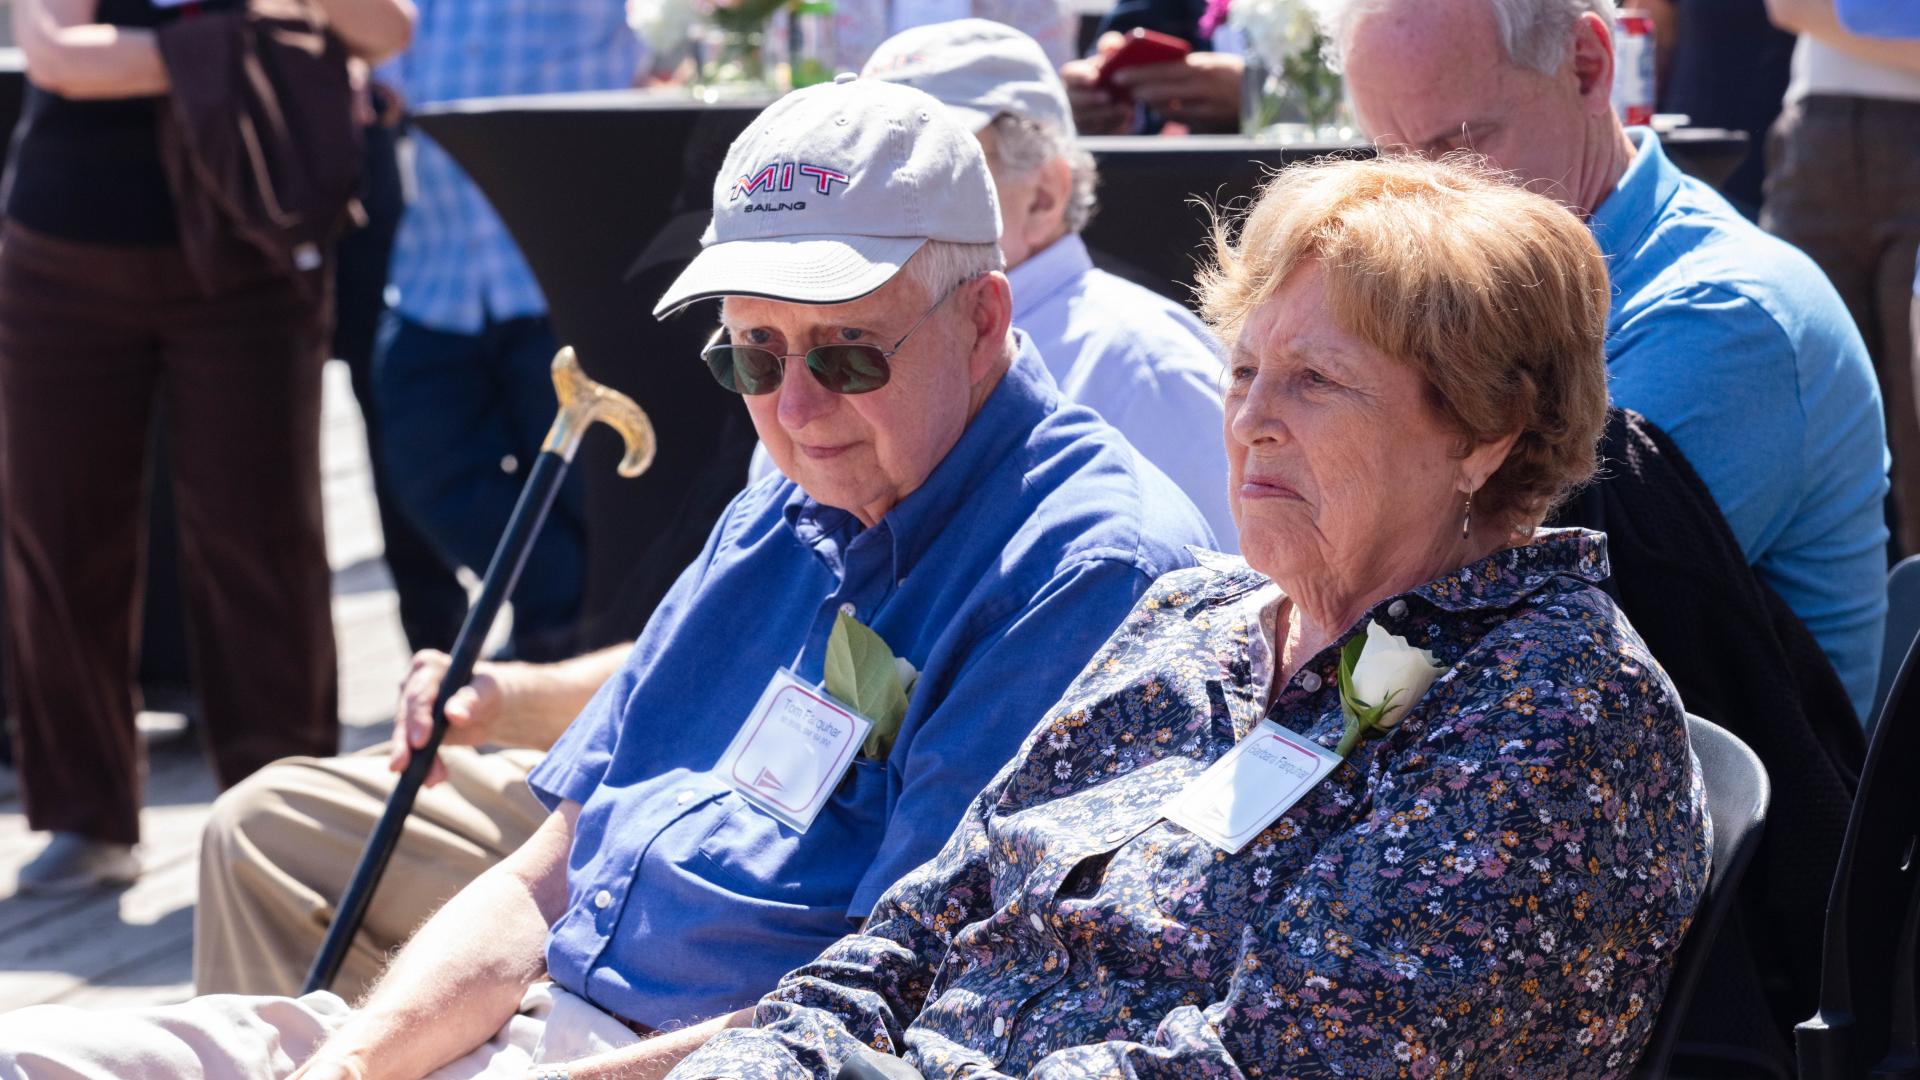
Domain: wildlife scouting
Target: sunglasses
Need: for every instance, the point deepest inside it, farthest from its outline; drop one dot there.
(850, 368)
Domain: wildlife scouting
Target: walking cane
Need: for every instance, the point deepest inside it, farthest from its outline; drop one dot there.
(582, 401)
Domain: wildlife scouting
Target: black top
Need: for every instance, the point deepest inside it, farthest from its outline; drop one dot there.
(1740, 657)
(90, 170)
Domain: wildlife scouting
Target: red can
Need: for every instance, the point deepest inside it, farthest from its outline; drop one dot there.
(1633, 89)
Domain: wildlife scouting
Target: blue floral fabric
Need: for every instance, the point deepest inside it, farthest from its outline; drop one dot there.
(1496, 886)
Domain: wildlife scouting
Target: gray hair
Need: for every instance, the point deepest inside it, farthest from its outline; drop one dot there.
(1536, 33)
(1021, 146)
(939, 265)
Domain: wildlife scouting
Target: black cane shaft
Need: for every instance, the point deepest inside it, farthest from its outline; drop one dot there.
(509, 557)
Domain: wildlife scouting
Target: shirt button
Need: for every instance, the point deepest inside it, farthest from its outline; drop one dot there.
(847, 609)
(603, 899)
(685, 797)
(1397, 609)
(1038, 926)
(999, 1027)
(1117, 836)
(1310, 682)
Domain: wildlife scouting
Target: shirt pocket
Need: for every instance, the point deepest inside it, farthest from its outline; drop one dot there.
(754, 855)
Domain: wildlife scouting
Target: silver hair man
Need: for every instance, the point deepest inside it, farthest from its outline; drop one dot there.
(1535, 32)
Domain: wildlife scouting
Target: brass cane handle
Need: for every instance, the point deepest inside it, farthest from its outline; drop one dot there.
(583, 401)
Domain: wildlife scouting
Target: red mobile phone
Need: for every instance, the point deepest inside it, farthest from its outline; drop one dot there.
(1142, 46)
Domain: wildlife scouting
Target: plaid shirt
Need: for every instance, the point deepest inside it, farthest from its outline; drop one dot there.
(454, 266)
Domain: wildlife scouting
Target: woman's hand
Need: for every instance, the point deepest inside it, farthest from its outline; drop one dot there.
(1201, 91)
(1095, 111)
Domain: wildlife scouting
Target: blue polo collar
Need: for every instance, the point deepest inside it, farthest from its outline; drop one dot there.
(1621, 223)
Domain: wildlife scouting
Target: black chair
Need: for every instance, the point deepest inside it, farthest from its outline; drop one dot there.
(1903, 627)
(1869, 1018)
(1737, 796)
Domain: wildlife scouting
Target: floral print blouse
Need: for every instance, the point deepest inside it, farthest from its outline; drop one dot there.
(1497, 886)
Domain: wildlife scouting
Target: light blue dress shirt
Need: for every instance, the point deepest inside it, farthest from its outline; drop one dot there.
(454, 266)
(1137, 358)
(1735, 344)
(997, 578)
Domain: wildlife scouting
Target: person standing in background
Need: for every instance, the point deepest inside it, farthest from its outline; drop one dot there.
(432, 603)
(106, 316)
(1724, 65)
(1843, 185)
(461, 377)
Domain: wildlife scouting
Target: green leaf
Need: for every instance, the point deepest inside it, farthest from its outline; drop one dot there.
(1359, 715)
(860, 672)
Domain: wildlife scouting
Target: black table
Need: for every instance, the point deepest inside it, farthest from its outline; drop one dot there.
(607, 195)
(599, 182)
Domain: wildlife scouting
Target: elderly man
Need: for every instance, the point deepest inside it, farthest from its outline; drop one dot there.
(714, 818)
(1143, 362)
(1731, 341)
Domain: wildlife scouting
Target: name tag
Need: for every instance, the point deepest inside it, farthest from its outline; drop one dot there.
(907, 14)
(793, 749)
(1250, 786)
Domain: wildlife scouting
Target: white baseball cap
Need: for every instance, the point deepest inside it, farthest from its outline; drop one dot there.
(831, 190)
(977, 68)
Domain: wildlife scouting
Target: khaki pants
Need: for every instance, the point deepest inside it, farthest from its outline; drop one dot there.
(230, 1037)
(280, 847)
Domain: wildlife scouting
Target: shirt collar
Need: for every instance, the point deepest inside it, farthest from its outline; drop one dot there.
(1046, 272)
(1026, 394)
(1625, 217)
(1507, 577)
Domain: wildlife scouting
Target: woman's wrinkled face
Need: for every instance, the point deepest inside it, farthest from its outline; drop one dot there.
(1343, 477)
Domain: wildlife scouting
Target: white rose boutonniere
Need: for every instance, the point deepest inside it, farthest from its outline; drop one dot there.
(1381, 676)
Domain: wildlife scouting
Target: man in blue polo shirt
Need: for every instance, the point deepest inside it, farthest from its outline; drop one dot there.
(1726, 338)
(716, 819)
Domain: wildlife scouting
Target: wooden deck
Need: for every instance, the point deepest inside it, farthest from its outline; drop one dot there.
(134, 946)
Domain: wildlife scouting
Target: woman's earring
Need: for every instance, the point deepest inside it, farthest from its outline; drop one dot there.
(1466, 519)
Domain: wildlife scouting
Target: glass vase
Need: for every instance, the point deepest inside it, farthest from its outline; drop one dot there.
(733, 64)
(1292, 99)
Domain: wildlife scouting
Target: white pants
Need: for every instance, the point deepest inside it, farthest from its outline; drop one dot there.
(231, 1037)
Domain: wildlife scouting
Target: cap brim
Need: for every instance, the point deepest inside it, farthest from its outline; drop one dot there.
(794, 269)
(970, 117)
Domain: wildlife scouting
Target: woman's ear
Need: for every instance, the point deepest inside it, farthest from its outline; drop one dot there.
(1485, 459)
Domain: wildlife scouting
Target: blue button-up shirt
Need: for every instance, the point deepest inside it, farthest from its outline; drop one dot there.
(996, 578)
(454, 266)
(1735, 344)
(1137, 358)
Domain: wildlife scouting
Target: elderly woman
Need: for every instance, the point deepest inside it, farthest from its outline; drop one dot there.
(1498, 874)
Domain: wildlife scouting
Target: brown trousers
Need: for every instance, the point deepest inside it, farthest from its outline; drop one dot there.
(94, 339)
(1843, 185)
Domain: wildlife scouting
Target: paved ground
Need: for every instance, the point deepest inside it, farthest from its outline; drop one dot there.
(135, 946)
